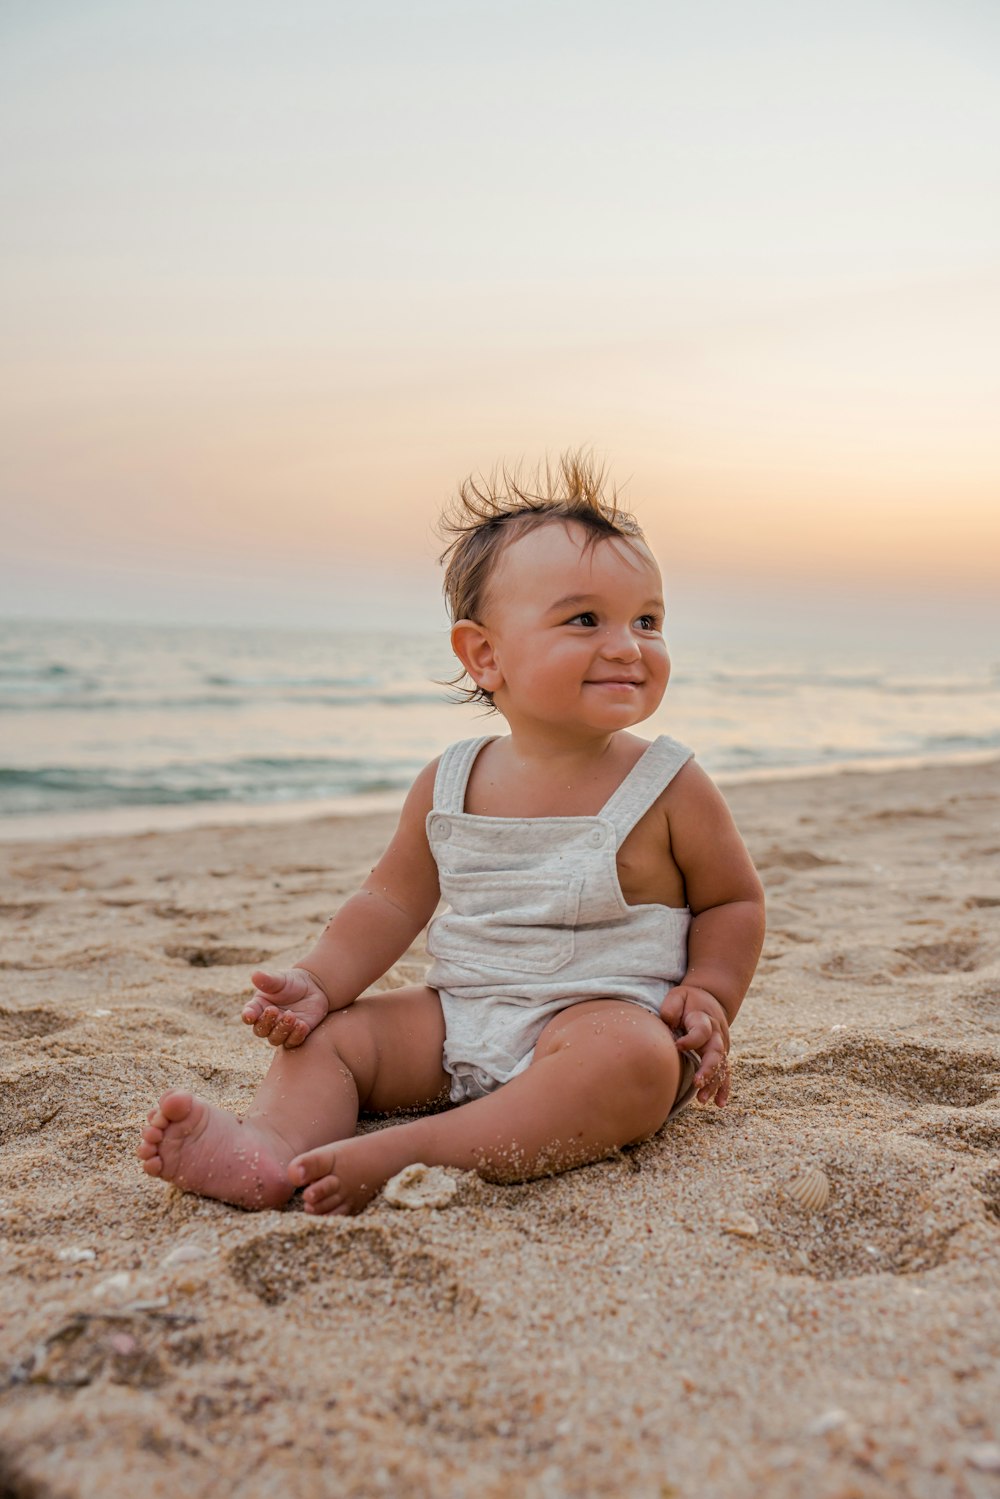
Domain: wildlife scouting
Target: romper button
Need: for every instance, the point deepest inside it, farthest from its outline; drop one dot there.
(442, 827)
(597, 837)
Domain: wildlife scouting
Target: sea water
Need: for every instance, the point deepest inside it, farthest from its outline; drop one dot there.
(113, 726)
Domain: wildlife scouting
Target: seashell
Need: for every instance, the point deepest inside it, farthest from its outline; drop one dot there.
(420, 1186)
(739, 1224)
(830, 1420)
(811, 1190)
(116, 1287)
(183, 1254)
(75, 1255)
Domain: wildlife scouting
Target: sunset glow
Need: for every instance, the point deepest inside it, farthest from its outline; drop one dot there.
(275, 281)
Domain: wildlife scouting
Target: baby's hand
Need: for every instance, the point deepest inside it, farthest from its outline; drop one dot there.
(285, 1006)
(700, 1024)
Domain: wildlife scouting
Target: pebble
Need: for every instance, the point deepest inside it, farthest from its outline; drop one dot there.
(420, 1186)
(985, 1456)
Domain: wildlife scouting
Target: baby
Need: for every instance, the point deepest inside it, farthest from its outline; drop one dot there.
(602, 923)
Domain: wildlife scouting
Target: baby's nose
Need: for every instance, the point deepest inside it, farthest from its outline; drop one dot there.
(621, 645)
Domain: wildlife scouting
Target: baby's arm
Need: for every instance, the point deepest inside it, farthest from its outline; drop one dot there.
(365, 937)
(727, 928)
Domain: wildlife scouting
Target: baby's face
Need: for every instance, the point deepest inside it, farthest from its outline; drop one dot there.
(577, 630)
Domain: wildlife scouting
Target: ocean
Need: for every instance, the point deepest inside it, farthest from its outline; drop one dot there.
(108, 727)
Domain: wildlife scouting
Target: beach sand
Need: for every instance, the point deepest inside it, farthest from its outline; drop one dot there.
(670, 1322)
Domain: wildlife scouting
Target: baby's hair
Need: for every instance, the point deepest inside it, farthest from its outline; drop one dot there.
(488, 514)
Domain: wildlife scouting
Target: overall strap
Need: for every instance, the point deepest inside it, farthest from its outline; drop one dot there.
(452, 775)
(650, 775)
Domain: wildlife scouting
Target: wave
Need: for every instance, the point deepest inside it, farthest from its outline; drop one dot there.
(252, 780)
(137, 703)
(779, 684)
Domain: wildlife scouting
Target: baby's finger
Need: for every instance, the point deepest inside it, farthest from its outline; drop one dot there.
(714, 1083)
(698, 1032)
(266, 1020)
(253, 1009)
(672, 1008)
(297, 1036)
(270, 983)
(713, 1056)
(282, 1029)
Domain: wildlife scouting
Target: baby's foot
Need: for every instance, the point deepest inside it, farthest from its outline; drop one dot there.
(344, 1177)
(203, 1149)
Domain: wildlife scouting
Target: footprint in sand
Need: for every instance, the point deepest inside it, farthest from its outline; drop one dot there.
(27, 1025)
(95, 1346)
(792, 858)
(349, 1262)
(218, 957)
(956, 955)
(30, 1101)
(904, 1069)
(962, 1134)
(886, 1212)
(988, 1187)
(21, 910)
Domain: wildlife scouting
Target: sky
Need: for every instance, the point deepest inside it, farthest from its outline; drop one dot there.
(274, 278)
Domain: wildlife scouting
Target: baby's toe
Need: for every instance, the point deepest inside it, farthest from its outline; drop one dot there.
(310, 1167)
(324, 1196)
(325, 1187)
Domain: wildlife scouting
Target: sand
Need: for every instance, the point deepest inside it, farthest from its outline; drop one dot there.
(670, 1322)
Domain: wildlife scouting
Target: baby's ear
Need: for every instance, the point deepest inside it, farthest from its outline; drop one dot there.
(474, 648)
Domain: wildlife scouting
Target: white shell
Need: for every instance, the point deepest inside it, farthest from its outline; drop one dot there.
(811, 1190)
(183, 1254)
(420, 1186)
(76, 1256)
(739, 1224)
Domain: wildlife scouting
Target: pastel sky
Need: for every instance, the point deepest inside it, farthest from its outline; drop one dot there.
(276, 276)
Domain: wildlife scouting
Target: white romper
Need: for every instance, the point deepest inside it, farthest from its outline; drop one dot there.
(537, 921)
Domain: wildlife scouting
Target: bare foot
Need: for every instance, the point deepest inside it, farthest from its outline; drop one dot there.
(343, 1177)
(203, 1149)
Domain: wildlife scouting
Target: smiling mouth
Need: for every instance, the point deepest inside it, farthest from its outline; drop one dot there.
(615, 682)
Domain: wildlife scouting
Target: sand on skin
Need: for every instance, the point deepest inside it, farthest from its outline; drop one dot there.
(597, 1333)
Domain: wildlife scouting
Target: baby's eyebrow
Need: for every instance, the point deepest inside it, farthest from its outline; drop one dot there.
(574, 600)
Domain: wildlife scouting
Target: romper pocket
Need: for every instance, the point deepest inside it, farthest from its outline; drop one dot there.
(518, 924)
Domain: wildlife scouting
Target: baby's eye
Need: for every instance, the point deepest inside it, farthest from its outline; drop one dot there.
(648, 622)
(588, 617)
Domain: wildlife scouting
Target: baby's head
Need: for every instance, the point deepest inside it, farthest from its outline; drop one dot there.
(487, 515)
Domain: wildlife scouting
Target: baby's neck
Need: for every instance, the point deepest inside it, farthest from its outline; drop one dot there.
(518, 777)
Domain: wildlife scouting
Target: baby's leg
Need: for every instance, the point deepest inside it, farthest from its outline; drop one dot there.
(604, 1073)
(381, 1053)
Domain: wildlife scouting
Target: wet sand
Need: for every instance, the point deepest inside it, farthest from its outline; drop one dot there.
(671, 1322)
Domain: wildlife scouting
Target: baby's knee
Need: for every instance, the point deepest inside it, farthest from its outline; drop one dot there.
(654, 1061)
(650, 1071)
(348, 1035)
